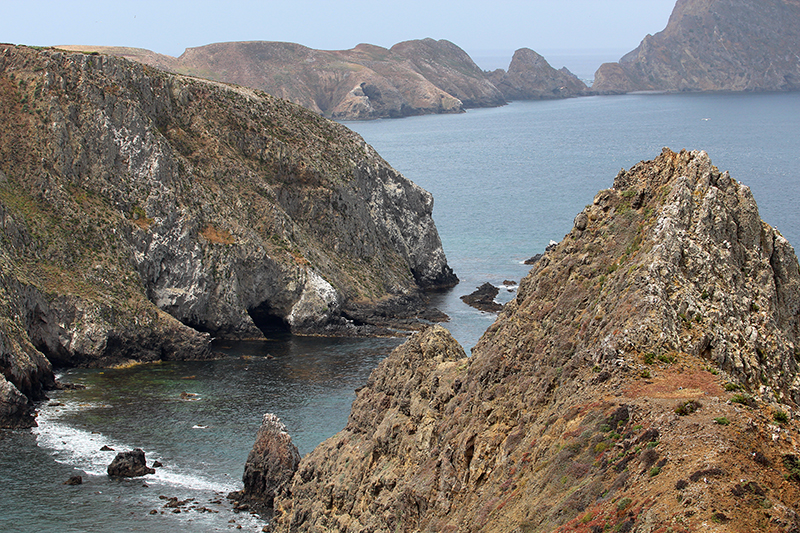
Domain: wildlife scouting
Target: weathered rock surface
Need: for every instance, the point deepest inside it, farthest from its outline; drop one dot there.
(412, 78)
(142, 212)
(714, 45)
(530, 77)
(271, 463)
(483, 298)
(571, 414)
(130, 464)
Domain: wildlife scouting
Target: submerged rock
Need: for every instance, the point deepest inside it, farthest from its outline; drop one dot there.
(129, 464)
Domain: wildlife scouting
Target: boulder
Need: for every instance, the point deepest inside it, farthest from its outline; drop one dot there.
(129, 464)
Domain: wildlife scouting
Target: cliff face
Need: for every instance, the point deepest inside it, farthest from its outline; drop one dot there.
(142, 211)
(714, 45)
(530, 77)
(644, 378)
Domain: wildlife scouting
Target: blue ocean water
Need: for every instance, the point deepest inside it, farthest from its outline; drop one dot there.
(506, 182)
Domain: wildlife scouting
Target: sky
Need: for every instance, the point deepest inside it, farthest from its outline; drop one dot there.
(487, 30)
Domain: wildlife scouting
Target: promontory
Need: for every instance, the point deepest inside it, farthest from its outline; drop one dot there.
(143, 213)
(644, 379)
(714, 45)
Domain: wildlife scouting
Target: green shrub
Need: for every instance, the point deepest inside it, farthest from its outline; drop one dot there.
(623, 503)
(722, 421)
(781, 417)
(655, 471)
(687, 408)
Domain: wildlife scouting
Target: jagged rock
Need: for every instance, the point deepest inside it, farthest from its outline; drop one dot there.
(129, 464)
(483, 298)
(106, 448)
(74, 480)
(271, 463)
(714, 45)
(16, 410)
(131, 234)
(563, 418)
(530, 77)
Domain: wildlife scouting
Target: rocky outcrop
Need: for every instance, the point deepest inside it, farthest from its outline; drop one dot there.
(644, 377)
(714, 45)
(143, 212)
(271, 463)
(130, 464)
(483, 298)
(530, 77)
(412, 78)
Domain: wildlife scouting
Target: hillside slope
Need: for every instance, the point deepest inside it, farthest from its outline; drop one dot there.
(644, 379)
(411, 78)
(714, 45)
(143, 212)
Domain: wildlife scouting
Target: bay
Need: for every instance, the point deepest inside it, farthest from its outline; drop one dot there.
(506, 182)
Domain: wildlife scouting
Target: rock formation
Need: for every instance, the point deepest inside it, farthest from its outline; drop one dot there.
(142, 212)
(130, 464)
(483, 298)
(714, 45)
(271, 463)
(645, 378)
(412, 78)
(530, 77)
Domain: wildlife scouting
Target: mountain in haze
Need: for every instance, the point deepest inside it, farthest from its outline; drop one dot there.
(143, 212)
(714, 45)
(644, 379)
(530, 77)
(410, 78)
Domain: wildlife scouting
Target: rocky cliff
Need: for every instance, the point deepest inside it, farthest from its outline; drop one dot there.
(412, 78)
(714, 45)
(143, 212)
(644, 379)
(530, 77)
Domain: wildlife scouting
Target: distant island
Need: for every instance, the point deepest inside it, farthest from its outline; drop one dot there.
(708, 45)
(411, 78)
(714, 45)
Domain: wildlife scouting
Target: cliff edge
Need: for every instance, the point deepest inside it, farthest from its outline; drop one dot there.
(142, 213)
(645, 378)
(714, 45)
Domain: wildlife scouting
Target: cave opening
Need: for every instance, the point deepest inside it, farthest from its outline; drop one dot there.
(269, 320)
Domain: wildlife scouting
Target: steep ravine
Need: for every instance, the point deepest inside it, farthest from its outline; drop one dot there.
(144, 212)
(645, 378)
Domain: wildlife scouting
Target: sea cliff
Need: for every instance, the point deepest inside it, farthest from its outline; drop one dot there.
(644, 378)
(714, 45)
(143, 213)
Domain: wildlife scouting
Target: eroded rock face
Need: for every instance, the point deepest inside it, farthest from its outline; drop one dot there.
(142, 212)
(271, 463)
(714, 45)
(130, 464)
(572, 413)
(530, 77)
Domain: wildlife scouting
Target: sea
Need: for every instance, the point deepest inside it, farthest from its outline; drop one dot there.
(506, 181)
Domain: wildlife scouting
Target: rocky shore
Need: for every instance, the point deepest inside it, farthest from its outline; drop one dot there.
(645, 377)
(142, 213)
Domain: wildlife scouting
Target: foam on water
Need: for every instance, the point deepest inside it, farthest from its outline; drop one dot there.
(82, 449)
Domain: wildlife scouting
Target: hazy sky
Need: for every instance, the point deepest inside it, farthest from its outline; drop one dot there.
(482, 28)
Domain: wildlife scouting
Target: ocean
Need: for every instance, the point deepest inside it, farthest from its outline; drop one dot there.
(506, 182)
